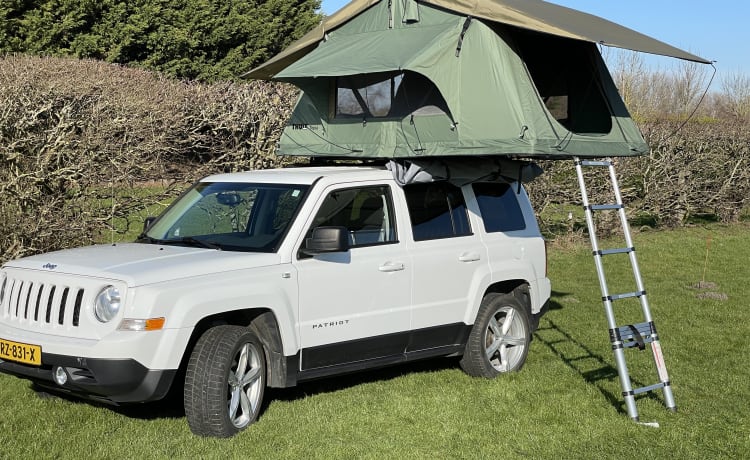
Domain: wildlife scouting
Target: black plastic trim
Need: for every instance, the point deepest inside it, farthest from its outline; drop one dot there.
(354, 350)
(378, 351)
(112, 381)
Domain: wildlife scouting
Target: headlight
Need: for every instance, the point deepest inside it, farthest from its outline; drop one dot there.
(107, 304)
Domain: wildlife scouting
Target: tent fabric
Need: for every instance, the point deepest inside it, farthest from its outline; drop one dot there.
(407, 79)
(480, 100)
(542, 16)
(374, 53)
(535, 15)
(462, 171)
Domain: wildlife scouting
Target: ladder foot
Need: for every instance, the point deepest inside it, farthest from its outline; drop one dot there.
(672, 409)
(651, 424)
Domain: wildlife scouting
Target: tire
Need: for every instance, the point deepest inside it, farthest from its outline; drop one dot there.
(224, 382)
(499, 341)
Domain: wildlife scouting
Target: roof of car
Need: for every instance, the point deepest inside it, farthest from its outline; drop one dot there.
(302, 175)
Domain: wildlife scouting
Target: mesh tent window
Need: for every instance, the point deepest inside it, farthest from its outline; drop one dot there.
(387, 95)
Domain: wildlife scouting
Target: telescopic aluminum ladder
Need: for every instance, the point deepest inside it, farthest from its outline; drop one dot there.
(630, 335)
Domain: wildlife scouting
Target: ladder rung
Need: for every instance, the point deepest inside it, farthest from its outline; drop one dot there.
(604, 252)
(653, 387)
(601, 207)
(627, 295)
(595, 163)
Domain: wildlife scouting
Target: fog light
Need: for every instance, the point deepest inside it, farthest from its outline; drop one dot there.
(61, 377)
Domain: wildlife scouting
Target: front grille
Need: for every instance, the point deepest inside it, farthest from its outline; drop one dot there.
(37, 302)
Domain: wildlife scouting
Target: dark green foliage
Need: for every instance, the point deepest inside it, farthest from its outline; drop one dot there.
(190, 39)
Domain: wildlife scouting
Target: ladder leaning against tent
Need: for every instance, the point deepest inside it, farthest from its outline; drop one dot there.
(630, 335)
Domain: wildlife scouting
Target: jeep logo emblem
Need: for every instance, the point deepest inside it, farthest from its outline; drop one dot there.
(49, 266)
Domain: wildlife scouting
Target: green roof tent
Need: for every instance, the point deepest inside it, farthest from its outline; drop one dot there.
(415, 78)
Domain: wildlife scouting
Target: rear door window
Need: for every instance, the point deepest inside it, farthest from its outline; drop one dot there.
(437, 210)
(499, 206)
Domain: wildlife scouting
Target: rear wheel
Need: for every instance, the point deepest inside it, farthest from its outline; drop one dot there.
(225, 381)
(499, 340)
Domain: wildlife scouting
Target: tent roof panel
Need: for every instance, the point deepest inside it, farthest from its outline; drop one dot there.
(542, 16)
(534, 15)
(375, 53)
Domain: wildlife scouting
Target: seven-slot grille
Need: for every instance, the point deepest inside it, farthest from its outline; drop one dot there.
(39, 302)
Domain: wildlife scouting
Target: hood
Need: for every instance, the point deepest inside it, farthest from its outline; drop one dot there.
(139, 264)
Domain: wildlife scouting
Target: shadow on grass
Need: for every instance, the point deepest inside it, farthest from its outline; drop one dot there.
(171, 406)
(578, 356)
(342, 382)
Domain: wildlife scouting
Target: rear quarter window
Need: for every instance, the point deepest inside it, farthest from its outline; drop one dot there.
(499, 206)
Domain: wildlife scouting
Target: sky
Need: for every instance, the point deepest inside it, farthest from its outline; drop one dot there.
(717, 30)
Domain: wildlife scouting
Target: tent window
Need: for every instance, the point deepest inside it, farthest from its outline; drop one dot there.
(387, 95)
(566, 75)
(366, 95)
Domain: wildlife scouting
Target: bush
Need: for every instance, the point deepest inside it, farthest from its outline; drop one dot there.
(699, 169)
(73, 131)
(86, 147)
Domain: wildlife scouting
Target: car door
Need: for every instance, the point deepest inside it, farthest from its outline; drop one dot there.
(354, 305)
(448, 260)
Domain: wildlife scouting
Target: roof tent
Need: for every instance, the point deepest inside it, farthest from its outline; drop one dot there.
(408, 78)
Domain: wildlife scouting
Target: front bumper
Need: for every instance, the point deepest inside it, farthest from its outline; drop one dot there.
(112, 381)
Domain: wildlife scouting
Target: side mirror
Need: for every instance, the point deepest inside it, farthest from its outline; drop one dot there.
(327, 239)
(147, 223)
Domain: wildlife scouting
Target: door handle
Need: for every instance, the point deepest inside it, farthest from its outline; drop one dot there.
(469, 257)
(391, 267)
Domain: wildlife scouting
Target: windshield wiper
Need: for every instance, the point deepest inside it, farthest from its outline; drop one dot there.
(147, 239)
(197, 242)
(143, 238)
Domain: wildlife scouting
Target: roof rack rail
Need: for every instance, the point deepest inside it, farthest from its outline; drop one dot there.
(344, 161)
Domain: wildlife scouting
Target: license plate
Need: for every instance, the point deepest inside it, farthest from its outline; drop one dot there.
(21, 352)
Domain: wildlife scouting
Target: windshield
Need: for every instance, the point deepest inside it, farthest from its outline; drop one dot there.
(229, 216)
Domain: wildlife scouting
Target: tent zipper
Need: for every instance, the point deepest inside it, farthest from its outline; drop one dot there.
(467, 23)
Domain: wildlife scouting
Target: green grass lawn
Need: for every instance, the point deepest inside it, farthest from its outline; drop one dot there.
(565, 403)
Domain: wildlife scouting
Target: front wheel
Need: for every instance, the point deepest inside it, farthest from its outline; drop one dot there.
(225, 380)
(499, 340)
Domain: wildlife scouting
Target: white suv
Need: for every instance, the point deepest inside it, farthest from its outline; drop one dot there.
(269, 278)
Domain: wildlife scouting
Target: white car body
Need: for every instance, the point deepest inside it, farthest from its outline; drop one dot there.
(371, 305)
